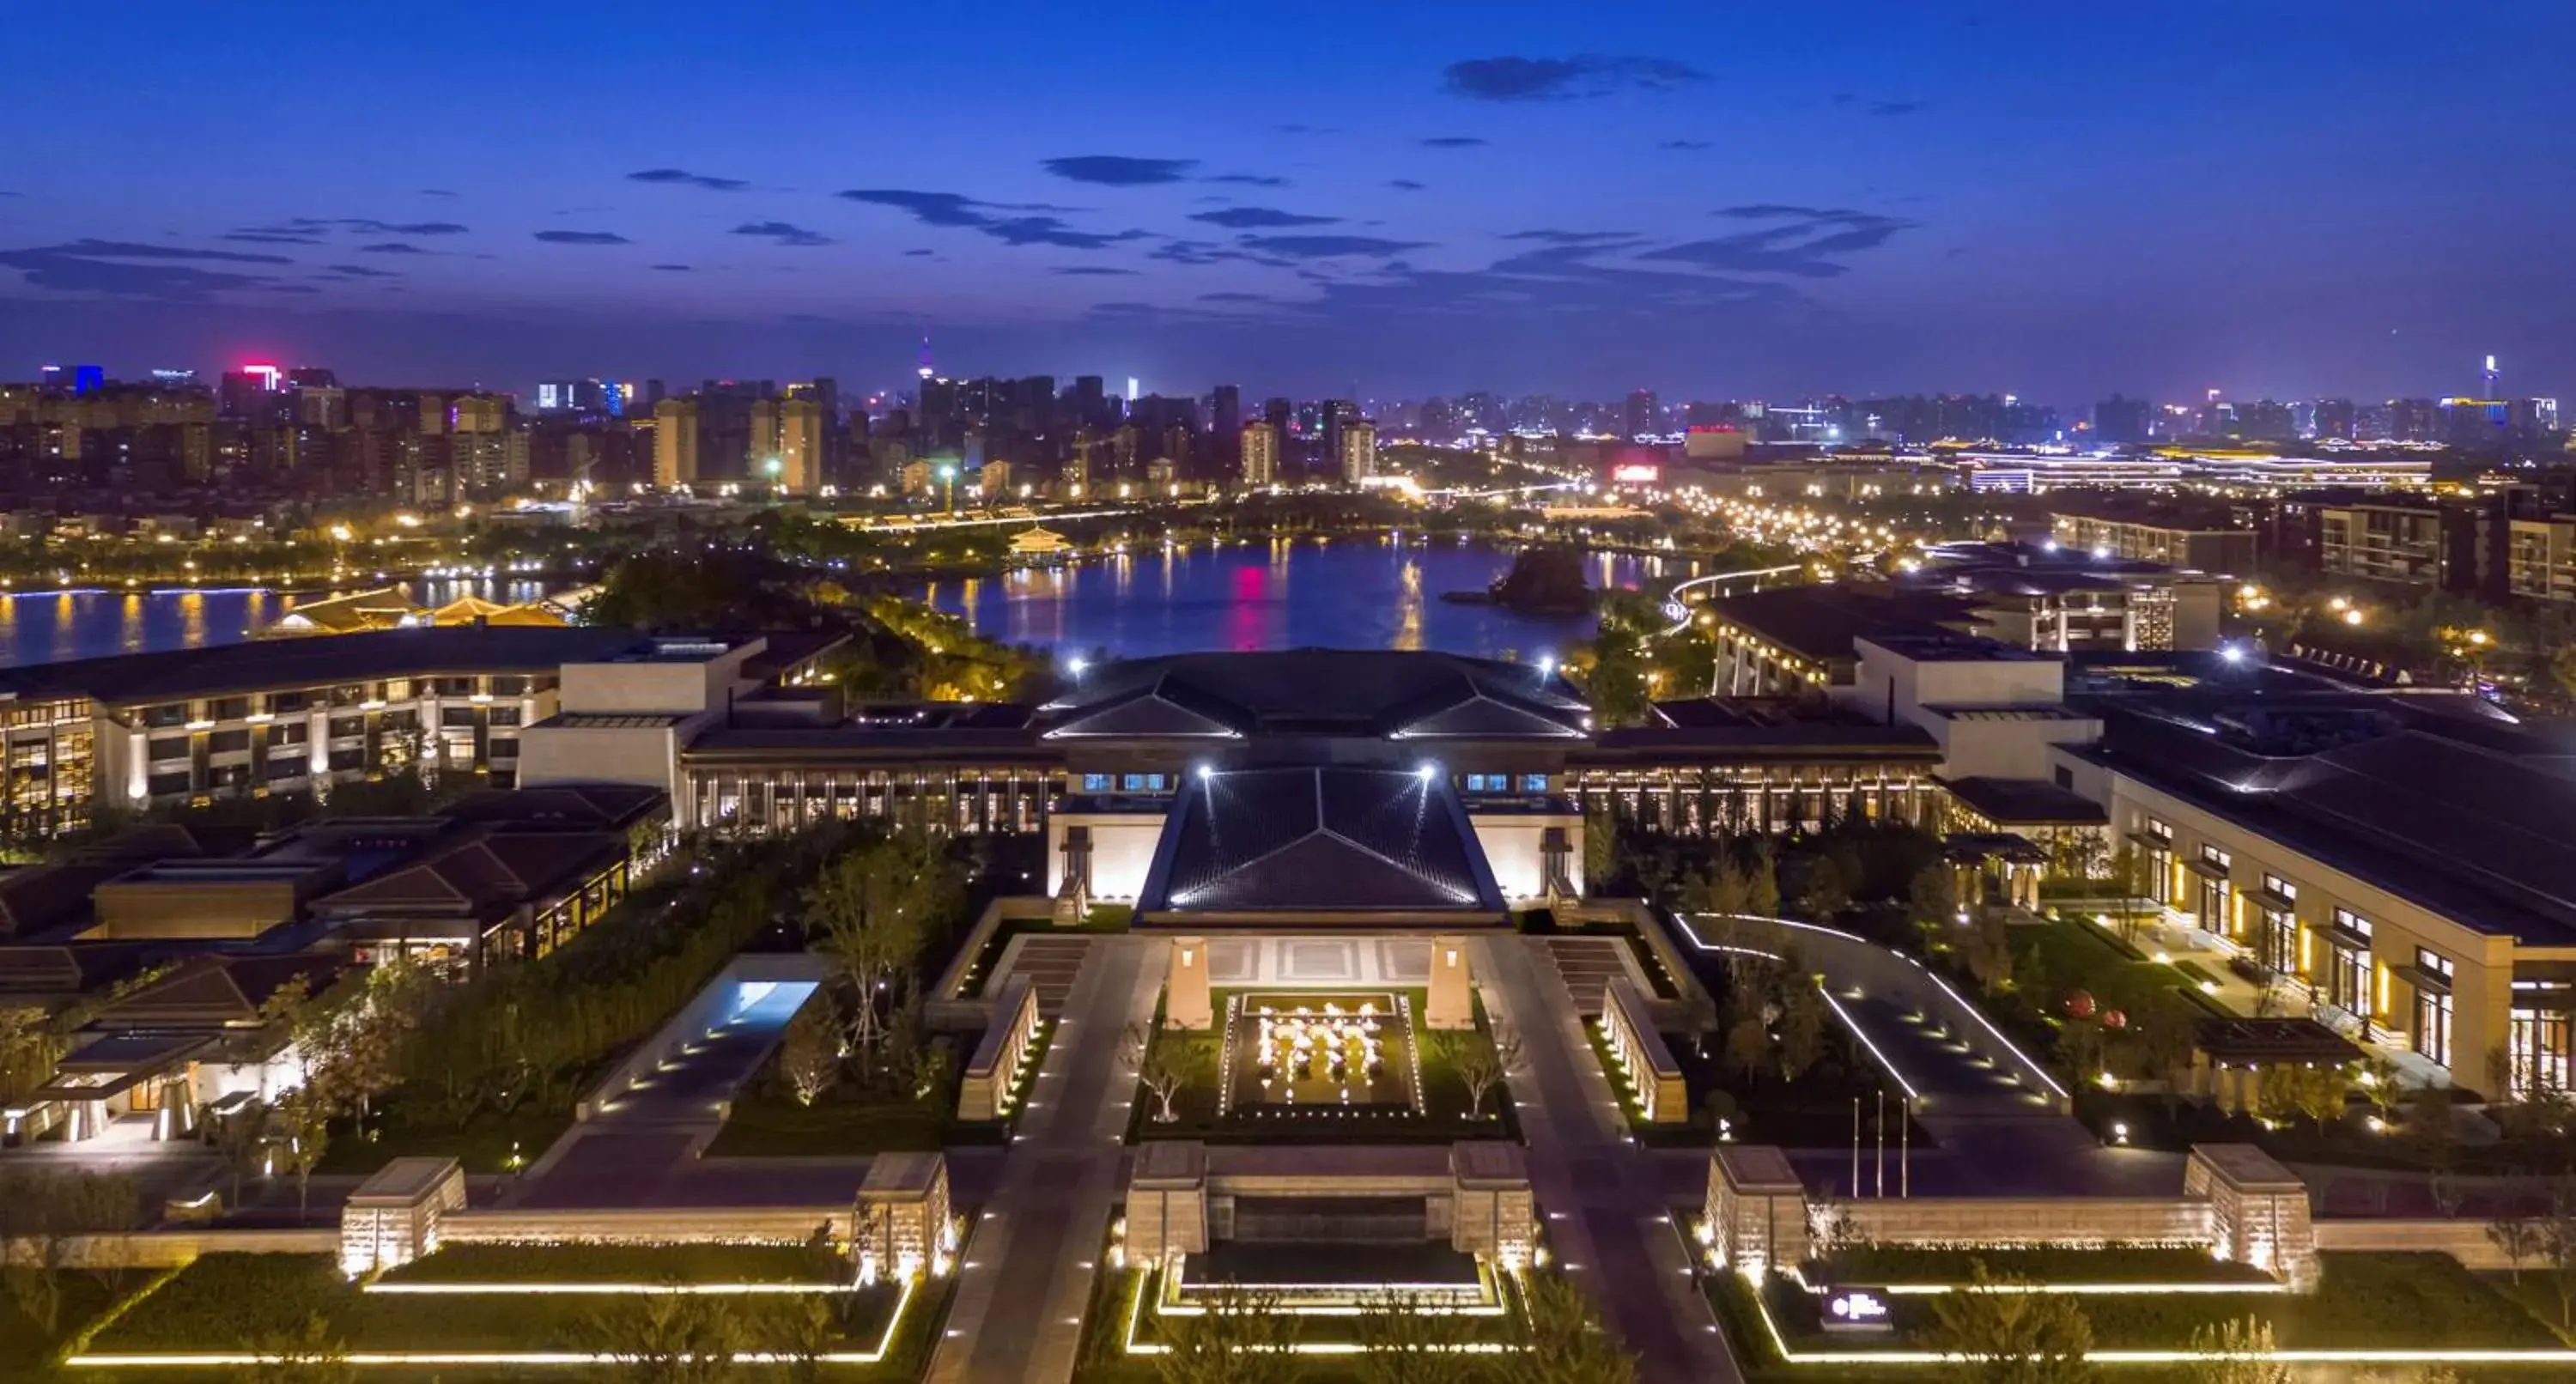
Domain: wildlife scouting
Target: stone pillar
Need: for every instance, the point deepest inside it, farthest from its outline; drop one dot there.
(2258, 1210)
(1186, 1004)
(1452, 1001)
(900, 1224)
(1167, 1210)
(1755, 1217)
(1491, 1212)
(393, 1217)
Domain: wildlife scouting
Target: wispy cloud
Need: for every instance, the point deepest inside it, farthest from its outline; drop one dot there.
(1891, 108)
(1248, 218)
(1120, 170)
(672, 268)
(436, 192)
(1801, 241)
(583, 238)
(783, 233)
(1451, 142)
(1405, 185)
(109, 267)
(360, 271)
(1563, 79)
(1554, 237)
(684, 178)
(966, 213)
(1246, 179)
(1330, 246)
(392, 247)
(1088, 270)
(1685, 144)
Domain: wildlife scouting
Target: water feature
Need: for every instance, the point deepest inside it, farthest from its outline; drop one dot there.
(1369, 592)
(50, 626)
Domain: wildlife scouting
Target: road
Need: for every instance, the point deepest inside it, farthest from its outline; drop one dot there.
(1607, 1219)
(1025, 1275)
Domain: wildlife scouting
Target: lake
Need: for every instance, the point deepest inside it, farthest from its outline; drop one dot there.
(50, 626)
(1366, 592)
(1369, 592)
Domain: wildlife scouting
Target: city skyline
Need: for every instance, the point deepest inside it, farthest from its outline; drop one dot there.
(2149, 204)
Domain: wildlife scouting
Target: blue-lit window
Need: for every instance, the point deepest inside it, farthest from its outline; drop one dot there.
(1533, 783)
(1144, 783)
(1097, 783)
(1489, 783)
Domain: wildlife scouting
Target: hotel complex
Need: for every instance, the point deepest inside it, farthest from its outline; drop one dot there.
(2394, 861)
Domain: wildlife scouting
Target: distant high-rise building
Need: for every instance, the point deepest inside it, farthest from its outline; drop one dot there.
(88, 379)
(2120, 419)
(324, 408)
(801, 431)
(2413, 420)
(1330, 415)
(1278, 413)
(1358, 451)
(675, 443)
(248, 393)
(1260, 454)
(478, 413)
(1645, 415)
(2337, 418)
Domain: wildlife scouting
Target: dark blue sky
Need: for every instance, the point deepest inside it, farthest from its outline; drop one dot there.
(1714, 199)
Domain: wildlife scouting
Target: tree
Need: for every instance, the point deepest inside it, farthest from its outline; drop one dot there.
(2382, 1084)
(809, 1052)
(1405, 1340)
(1802, 1030)
(1989, 949)
(1481, 1065)
(43, 1215)
(302, 1119)
(1564, 1340)
(2242, 1352)
(1699, 1014)
(1748, 1045)
(1762, 883)
(2130, 872)
(2428, 1125)
(2557, 1252)
(1933, 894)
(670, 1337)
(1998, 1336)
(1827, 892)
(1241, 1338)
(2324, 1092)
(1165, 1065)
(2515, 1233)
(241, 1137)
(1719, 890)
(308, 1353)
(875, 907)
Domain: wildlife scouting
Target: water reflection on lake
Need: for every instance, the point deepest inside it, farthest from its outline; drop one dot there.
(50, 626)
(1376, 593)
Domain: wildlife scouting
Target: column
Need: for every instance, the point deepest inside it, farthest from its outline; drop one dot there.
(1186, 1004)
(1451, 1003)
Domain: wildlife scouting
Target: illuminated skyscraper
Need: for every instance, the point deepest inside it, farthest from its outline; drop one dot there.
(1359, 451)
(675, 443)
(1260, 454)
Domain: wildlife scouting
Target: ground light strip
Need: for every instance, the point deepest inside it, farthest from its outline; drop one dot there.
(2315, 1356)
(1136, 1319)
(219, 1359)
(1928, 973)
(599, 1289)
(1854, 1025)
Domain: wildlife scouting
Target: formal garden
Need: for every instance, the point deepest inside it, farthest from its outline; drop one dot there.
(860, 1069)
(643, 1309)
(2038, 1312)
(1353, 1067)
(1458, 1323)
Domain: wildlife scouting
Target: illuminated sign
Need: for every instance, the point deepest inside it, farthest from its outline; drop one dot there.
(1636, 473)
(1856, 1309)
(268, 375)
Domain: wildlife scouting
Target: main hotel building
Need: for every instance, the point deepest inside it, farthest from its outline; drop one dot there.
(2400, 862)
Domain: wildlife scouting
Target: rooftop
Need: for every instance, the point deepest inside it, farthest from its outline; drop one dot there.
(219, 669)
(1318, 840)
(1401, 694)
(1821, 622)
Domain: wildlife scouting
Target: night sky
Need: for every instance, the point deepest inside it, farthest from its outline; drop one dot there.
(1719, 199)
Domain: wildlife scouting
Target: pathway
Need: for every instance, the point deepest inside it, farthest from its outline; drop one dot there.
(643, 1140)
(1026, 1273)
(1607, 1221)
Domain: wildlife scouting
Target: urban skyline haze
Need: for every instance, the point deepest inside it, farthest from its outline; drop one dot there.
(2294, 200)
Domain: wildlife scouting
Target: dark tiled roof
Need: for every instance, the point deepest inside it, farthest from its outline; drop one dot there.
(2026, 802)
(207, 991)
(315, 662)
(1820, 622)
(1318, 691)
(485, 871)
(2466, 818)
(591, 807)
(1337, 839)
